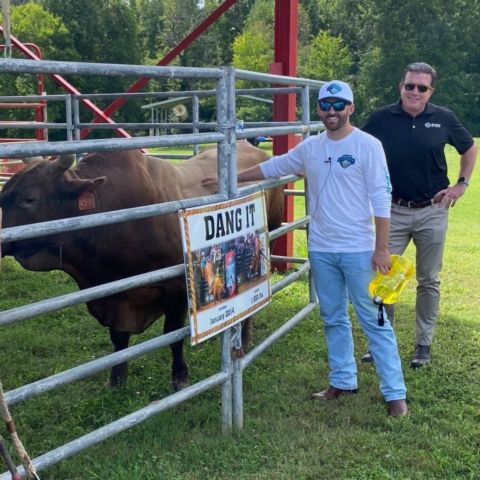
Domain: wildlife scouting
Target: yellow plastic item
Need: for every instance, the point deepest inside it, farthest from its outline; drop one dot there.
(386, 288)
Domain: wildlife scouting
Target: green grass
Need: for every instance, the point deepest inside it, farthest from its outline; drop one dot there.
(286, 435)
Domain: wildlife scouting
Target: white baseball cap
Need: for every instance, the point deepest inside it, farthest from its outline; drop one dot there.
(336, 89)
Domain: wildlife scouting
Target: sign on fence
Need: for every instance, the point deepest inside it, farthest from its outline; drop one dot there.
(227, 262)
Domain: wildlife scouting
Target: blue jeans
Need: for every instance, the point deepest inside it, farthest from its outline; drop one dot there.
(338, 277)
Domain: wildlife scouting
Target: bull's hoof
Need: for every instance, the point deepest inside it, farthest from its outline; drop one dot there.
(116, 382)
(118, 376)
(180, 383)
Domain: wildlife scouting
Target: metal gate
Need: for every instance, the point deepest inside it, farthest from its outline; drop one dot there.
(225, 133)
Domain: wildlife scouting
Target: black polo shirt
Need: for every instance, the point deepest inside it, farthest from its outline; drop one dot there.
(414, 147)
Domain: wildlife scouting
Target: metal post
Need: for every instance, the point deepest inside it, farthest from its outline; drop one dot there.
(230, 133)
(68, 117)
(195, 120)
(76, 117)
(305, 100)
(42, 114)
(151, 130)
(237, 392)
(227, 385)
(306, 121)
(223, 146)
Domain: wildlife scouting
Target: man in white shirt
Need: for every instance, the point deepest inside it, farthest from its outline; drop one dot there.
(348, 184)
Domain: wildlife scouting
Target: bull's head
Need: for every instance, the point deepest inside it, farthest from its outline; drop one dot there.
(44, 190)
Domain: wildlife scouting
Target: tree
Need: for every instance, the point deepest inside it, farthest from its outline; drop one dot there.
(325, 58)
(31, 23)
(437, 34)
(253, 51)
(149, 18)
(102, 32)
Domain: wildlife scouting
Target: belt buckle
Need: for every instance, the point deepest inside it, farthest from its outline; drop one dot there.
(411, 204)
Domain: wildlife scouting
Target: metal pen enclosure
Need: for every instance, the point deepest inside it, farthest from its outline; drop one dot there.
(225, 134)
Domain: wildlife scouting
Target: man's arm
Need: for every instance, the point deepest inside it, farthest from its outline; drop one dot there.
(381, 255)
(249, 175)
(449, 196)
(467, 162)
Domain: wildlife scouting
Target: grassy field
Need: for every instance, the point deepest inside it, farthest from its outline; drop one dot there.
(286, 435)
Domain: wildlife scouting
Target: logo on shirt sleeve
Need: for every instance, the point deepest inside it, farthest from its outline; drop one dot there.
(346, 161)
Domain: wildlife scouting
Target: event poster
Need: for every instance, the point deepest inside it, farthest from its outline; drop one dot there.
(227, 263)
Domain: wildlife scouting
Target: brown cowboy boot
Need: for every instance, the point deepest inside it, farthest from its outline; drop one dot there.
(397, 408)
(332, 393)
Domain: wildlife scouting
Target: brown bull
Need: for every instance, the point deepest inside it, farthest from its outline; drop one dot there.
(110, 181)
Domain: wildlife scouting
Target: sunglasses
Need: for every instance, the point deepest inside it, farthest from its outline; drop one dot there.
(421, 88)
(338, 106)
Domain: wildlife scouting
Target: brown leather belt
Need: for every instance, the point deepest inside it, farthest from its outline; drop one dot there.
(411, 203)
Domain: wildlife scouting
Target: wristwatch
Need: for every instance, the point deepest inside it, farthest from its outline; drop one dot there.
(463, 181)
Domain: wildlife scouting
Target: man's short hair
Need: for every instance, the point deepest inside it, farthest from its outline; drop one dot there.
(421, 67)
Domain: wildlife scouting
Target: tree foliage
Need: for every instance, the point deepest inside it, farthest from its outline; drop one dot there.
(385, 36)
(32, 24)
(367, 42)
(326, 57)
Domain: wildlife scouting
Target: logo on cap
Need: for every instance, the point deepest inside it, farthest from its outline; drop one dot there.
(334, 88)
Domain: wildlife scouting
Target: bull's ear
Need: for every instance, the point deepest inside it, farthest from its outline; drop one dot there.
(80, 185)
(57, 167)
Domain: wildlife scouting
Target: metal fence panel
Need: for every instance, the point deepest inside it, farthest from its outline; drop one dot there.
(230, 376)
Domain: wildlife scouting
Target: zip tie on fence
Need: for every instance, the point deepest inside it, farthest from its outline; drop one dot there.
(226, 126)
(21, 452)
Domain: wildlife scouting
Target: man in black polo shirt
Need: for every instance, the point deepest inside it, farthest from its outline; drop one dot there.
(414, 133)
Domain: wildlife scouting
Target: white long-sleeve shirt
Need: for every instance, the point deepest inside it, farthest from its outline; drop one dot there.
(348, 182)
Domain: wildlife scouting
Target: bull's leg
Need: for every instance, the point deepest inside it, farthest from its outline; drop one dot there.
(119, 373)
(246, 338)
(174, 319)
(246, 333)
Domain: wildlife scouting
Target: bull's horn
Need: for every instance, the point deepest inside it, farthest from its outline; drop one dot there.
(60, 165)
(29, 160)
(66, 161)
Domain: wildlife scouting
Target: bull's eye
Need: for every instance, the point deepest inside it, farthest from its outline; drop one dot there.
(29, 201)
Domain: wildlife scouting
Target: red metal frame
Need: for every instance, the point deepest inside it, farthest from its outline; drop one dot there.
(40, 133)
(66, 85)
(284, 109)
(8, 167)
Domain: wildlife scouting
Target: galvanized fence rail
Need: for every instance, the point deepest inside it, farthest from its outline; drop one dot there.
(225, 135)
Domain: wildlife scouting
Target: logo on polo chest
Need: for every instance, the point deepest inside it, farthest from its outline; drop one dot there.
(346, 161)
(433, 125)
